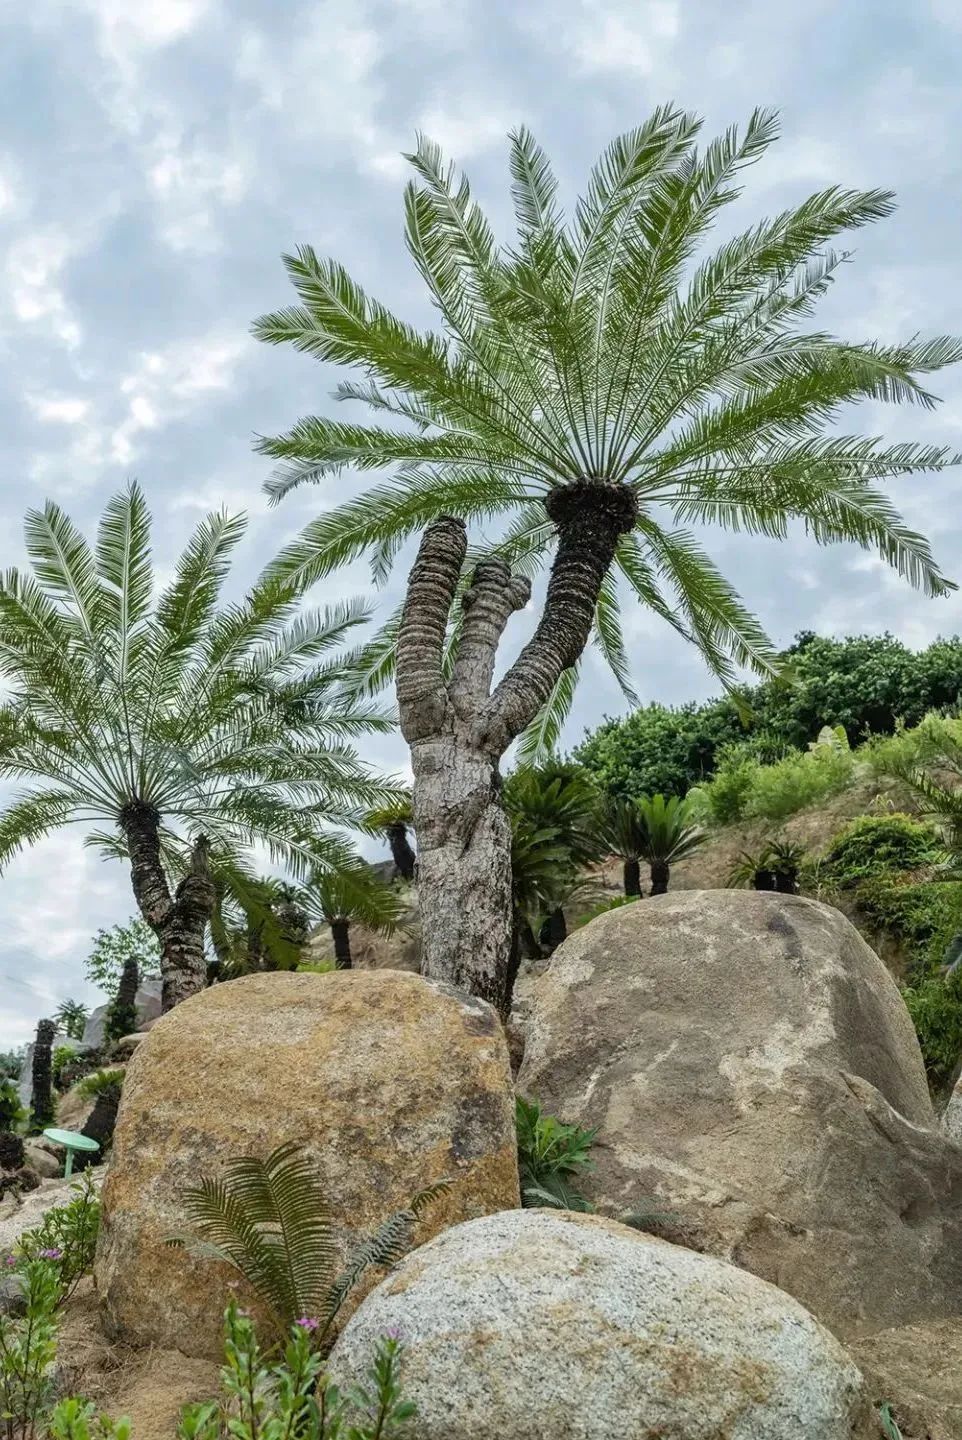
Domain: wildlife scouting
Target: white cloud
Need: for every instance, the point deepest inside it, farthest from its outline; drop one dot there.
(32, 276)
(192, 184)
(58, 409)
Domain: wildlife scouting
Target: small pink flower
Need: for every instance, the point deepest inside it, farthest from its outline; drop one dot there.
(53, 1254)
(10, 1260)
(307, 1322)
(393, 1332)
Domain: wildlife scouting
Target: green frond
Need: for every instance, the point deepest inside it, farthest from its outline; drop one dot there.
(123, 560)
(31, 817)
(612, 347)
(64, 564)
(354, 893)
(540, 740)
(387, 1246)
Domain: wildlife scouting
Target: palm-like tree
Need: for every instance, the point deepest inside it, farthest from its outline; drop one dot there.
(71, 1017)
(189, 731)
(589, 394)
(670, 835)
(559, 800)
(352, 895)
(394, 821)
(625, 835)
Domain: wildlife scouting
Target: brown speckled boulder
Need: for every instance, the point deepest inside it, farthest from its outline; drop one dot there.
(752, 1069)
(392, 1083)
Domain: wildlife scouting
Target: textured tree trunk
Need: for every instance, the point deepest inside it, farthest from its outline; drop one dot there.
(341, 933)
(786, 882)
(121, 1017)
(458, 728)
(401, 853)
(41, 1078)
(100, 1126)
(632, 877)
(764, 880)
(180, 920)
(660, 872)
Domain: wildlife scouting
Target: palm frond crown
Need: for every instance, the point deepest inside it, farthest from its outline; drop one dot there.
(227, 719)
(600, 349)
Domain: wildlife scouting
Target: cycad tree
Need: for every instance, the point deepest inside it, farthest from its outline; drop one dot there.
(184, 727)
(669, 835)
(352, 895)
(624, 833)
(590, 392)
(394, 821)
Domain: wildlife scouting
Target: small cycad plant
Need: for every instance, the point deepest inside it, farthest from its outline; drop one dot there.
(550, 1154)
(269, 1220)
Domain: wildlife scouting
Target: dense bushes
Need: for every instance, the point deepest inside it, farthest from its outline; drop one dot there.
(863, 683)
(876, 845)
(743, 789)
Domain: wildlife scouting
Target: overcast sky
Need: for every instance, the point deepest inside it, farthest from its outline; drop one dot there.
(157, 156)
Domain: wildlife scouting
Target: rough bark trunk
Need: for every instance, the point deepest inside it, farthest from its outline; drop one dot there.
(121, 1018)
(786, 882)
(458, 729)
(41, 1077)
(401, 852)
(341, 933)
(764, 880)
(660, 872)
(100, 1126)
(179, 920)
(632, 878)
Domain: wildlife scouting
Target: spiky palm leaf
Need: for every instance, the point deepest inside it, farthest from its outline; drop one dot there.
(229, 720)
(353, 893)
(270, 1221)
(599, 350)
(669, 832)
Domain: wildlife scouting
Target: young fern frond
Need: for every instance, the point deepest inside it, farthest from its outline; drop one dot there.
(270, 1221)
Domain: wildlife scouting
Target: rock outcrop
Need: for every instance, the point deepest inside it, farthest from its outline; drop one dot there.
(391, 1082)
(148, 1005)
(540, 1325)
(751, 1067)
(917, 1370)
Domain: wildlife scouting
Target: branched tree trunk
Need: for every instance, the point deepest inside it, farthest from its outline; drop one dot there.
(341, 934)
(401, 853)
(632, 877)
(179, 920)
(41, 1079)
(458, 729)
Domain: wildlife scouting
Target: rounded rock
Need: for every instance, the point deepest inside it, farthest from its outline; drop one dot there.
(542, 1325)
(390, 1082)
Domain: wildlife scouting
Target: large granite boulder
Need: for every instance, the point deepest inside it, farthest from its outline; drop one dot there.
(541, 1325)
(751, 1067)
(390, 1081)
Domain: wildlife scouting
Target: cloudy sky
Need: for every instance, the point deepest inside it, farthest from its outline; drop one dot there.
(156, 159)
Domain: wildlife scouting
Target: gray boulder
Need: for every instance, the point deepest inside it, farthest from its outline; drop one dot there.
(751, 1067)
(543, 1325)
(148, 1008)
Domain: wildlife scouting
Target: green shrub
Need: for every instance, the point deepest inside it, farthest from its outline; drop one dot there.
(657, 749)
(11, 1063)
(12, 1112)
(908, 749)
(28, 1350)
(67, 1237)
(935, 1005)
(293, 1399)
(101, 1080)
(726, 798)
(549, 1154)
(875, 845)
(63, 1057)
(798, 781)
(867, 684)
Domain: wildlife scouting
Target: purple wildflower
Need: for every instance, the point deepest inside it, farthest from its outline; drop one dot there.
(53, 1254)
(306, 1322)
(10, 1260)
(393, 1332)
